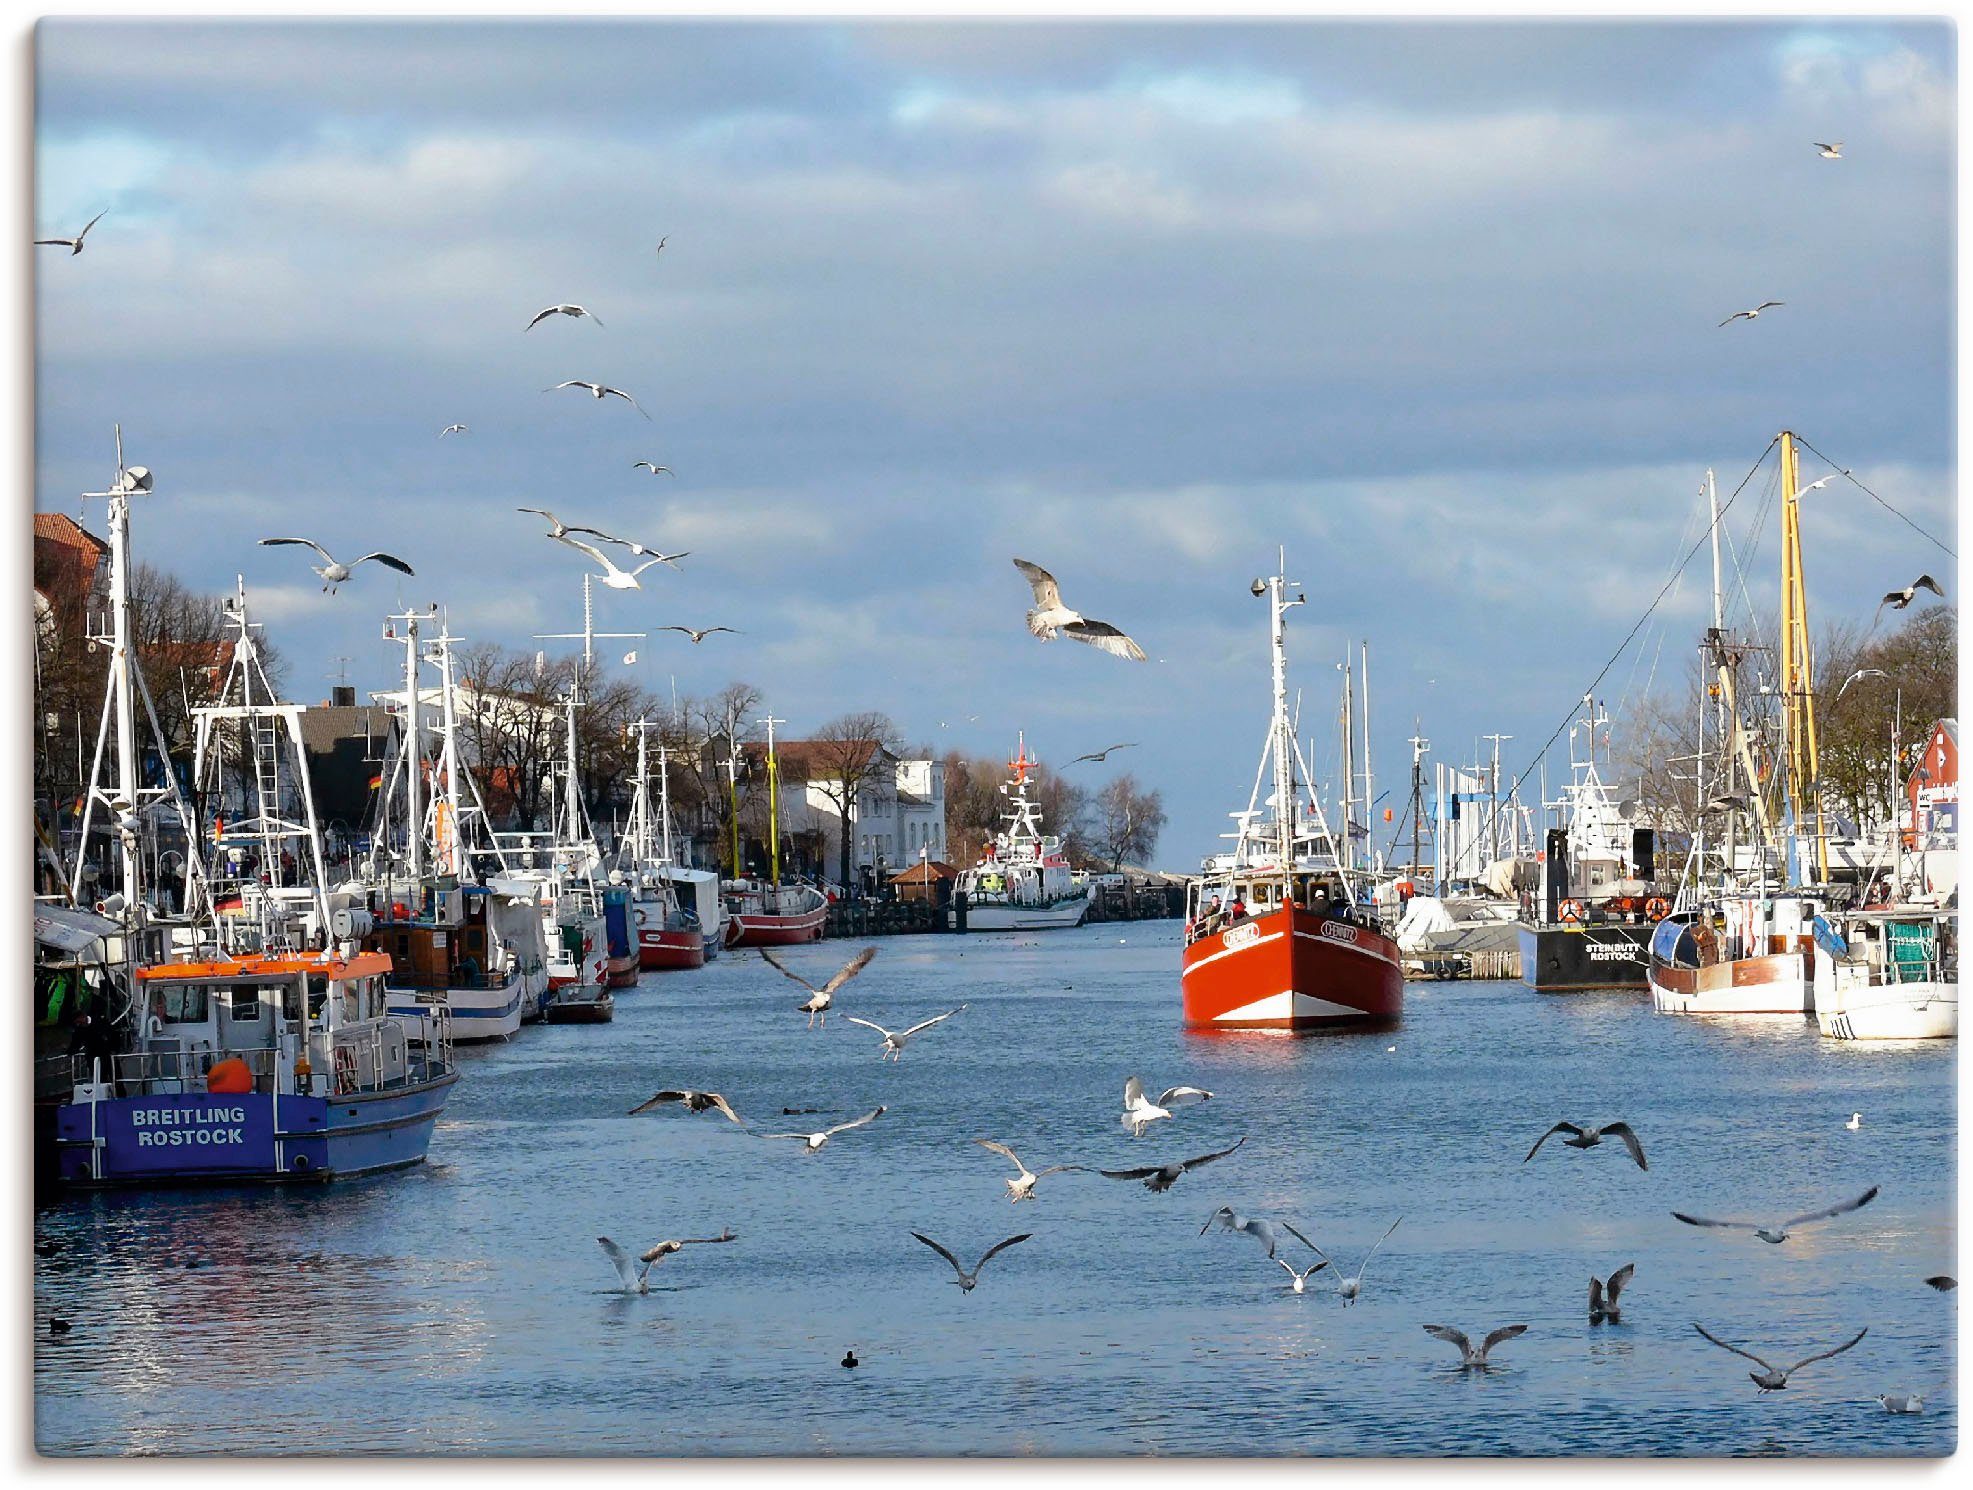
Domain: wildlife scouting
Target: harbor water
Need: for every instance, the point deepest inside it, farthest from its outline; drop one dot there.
(465, 1307)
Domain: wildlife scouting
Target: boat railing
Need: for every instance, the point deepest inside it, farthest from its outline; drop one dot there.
(172, 1068)
(371, 1057)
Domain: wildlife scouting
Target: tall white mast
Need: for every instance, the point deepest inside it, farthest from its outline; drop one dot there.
(1347, 858)
(1282, 730)
(1369, 785)
(414, 735)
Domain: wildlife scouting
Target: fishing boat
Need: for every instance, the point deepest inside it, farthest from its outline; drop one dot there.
(1744, 946)
(1587, 922)
(1022, 881)
(767, 913)
(585, 1003)
(1888, 974)
(255, 1046)
(1275, 937)
(669, 935)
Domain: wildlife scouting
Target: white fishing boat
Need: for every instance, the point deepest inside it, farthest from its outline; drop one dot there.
(1022, 881)
(1887, 975)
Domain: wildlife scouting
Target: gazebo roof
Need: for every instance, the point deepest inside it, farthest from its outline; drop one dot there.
(935, 869)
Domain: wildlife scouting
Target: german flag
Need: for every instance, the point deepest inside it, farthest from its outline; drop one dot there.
(375, 782)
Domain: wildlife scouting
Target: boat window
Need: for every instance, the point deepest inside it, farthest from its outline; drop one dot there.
(185, 1003)
(318, 994)
(245, 1002)
(291, 999)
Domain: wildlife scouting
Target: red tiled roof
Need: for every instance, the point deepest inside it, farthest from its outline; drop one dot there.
(66, 555)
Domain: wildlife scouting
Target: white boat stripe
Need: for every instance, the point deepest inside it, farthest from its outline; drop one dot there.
(1349, 947)
(1259, 941)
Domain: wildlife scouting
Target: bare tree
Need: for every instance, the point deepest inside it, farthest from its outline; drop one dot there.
(843, 757)
(1126, 822)
(975, 806)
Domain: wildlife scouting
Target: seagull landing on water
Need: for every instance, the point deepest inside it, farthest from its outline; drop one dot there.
(333, 573)
(1754, 314)
(816, 1006)
(1139, 1113)
(1350, 1289)
(1021, 1187)
(1769, 1378)
(453, 429)
(1257, 1227)
(1471, 1359)
(968, 1279)
(1051, 618)
(815, 1141)
(1103, 754)
(1831, 151)
(701, 633)
(1301, 1278)
(73, 245)
(1603, 1295)
(573, 311)
(1589, 1138)
(638, 1281)
(599, 391)
(1159, 1178)
(691, 1101)
(1779, 1231)
(895, 1040)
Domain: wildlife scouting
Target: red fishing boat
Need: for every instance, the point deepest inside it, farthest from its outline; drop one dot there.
(770, 914)
(1274, 937)
(670, 937)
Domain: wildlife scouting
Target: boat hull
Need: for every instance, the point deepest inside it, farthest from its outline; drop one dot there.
(747, 929)
(1568, 959)
(1000, 916)
(1292, 969)
(621, 972)
(1777, 985)
(660, 950)
(248, 1138)
(490, 1012)
(597, 1009)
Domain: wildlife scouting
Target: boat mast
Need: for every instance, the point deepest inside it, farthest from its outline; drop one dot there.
(1369, 784)
(1798, 667)
(774, 804)
(664, 804)
(1347, 857)
(1281, 730)
(414, 754)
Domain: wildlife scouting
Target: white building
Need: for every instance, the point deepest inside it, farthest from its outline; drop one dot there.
(899, 812)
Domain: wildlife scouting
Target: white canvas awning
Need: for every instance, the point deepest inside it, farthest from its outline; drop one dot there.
(69, 930)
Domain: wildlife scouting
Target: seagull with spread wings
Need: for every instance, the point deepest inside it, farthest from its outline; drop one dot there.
(815, 1141)
(1260, 1229)
(692, 1102)
(1603, 1295)
(1051, 618)
(697, 634)
(1749, 315)
(1778, 1231)
(1139, 1112)
(1589, 1138)
(816, 1006)
(895, 1040)
(1471, 1359)
(1899, 599)
(968, 1278)
(1103, 754)
(1159, 1178)
(653, 467)
(574, 312)
(1831, 151)
(1773, 1379)
(333, 573)
(612, 576)
(599, 391)
(453, 429)
(1351, 1288)
(638, 1281)
(1021, 1187)
(73, 245)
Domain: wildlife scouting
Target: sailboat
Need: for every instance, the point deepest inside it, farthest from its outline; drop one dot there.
(1275, 938)
(250, 1047)
(669, 935)
(768, 914)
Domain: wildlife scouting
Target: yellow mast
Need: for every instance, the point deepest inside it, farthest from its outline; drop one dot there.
(773, 805)
(1798, 664)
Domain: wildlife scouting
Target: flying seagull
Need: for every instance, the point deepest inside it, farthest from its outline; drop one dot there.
(1589, 1138)
(816, 1140)
(895, 1040)
(1779, 1231)
(1603, 1295)
(1159, 1178)
(1942, 1283)
(1021, 1187)
(1259, 1228)
(653, 467)
(1350, 1288)
(1301, 1278)
(1899, 599)
(701, 634)
(819, 1000)
(1831, 151)
(574, 311)
(612, 576)
(1768, 1379)
(639, 1280)
(599, 391)
(73, 245)
(966, 1280)
(453, 429)
(1748, 315)
(1139, 1113)
(661, 245)
(693, 1102)
(1103, 754)
(1469, 1358)
(1862, 672)
(334, 574)
(1051, 618)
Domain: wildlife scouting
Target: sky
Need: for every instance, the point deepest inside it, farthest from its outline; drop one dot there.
(1431, 306)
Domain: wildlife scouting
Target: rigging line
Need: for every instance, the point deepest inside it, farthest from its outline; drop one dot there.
(1875, 498)
(1623, 699)
(1568, 718)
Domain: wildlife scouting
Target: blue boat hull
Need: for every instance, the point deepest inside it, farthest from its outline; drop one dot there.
(249, 1138)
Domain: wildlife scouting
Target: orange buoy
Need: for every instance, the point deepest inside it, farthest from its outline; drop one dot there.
(1571, 912)
(1657, 907)
(230, 1076)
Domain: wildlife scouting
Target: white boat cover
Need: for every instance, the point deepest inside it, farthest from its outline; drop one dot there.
(1423, 916)
(69, 930)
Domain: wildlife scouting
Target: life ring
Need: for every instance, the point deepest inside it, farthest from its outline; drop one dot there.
(1657, 908)
(1572, 913)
